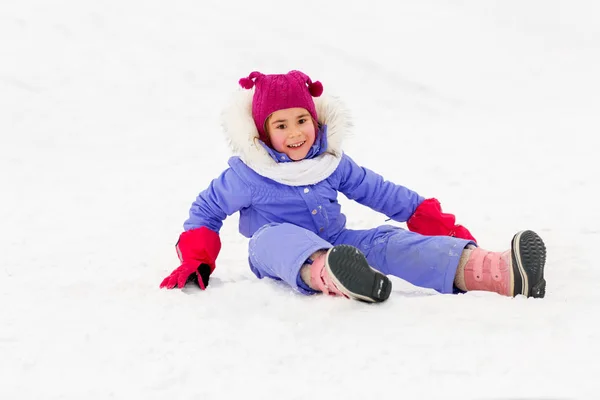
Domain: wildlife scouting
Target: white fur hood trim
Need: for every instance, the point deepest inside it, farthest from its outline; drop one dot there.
(242, 136)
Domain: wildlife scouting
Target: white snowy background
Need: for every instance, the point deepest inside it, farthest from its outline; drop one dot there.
(109, 128)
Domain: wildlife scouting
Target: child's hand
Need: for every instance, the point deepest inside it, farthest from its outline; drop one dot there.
(197, 250)
(428, 219)
(187, 272)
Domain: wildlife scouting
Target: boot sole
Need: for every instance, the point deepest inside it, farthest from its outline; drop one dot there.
(528, 261)
(352, 275)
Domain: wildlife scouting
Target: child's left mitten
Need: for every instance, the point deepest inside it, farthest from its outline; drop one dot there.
(428, 219)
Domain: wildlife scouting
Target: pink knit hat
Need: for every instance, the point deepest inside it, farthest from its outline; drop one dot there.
(278, 92)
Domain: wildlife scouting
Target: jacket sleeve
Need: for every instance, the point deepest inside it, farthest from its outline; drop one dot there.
(224, 196)
(370, 189)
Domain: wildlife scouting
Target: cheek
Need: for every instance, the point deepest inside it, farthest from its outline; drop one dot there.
(311, 131)
(277, 141)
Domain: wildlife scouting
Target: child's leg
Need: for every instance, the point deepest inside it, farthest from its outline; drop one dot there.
(441, 262)
(309, 264)
(425, 261)
(279, 251)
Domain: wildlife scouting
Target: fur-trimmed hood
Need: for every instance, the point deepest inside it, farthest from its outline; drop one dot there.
(242, 136)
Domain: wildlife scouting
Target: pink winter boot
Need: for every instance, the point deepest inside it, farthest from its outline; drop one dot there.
(344, 271)
(519, 270)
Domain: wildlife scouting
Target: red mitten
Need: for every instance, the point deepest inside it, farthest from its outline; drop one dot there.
(197, 250)
(428, 219)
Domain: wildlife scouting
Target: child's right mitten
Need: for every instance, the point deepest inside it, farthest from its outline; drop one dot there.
(197, 250)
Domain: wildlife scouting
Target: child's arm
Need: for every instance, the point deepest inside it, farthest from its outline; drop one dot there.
(370, 189)
(422, 215)
(225, 195)
(199, 245)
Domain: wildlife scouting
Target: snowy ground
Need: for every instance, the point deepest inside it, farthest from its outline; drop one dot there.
(109, 127)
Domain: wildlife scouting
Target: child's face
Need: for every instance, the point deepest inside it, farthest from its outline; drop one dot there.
(291, 132)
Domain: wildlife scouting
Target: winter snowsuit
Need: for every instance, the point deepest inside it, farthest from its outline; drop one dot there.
(291, 214)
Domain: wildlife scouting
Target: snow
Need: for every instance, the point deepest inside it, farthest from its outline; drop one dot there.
(110, 127)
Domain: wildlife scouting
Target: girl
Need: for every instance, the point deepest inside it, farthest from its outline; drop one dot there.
(284, 182)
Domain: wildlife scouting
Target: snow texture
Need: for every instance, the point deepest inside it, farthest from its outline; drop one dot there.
(109, 128)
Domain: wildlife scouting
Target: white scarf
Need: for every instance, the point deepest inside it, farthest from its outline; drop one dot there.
(242, 136)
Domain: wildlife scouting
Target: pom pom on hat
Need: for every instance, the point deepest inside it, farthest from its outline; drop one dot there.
(247, 83)
(250, 81)
(315, 89)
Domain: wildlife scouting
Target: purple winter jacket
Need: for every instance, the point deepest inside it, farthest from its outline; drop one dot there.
(255, 185)
(314, 207)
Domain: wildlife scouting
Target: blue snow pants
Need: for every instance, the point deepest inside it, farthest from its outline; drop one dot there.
(278, 251)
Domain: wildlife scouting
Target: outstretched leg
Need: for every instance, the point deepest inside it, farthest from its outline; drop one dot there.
(445, 263)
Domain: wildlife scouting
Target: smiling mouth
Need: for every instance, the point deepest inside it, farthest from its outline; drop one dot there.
(296, 145)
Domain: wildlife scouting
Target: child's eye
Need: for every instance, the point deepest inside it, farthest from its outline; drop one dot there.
(282, 126)
(302, 120)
